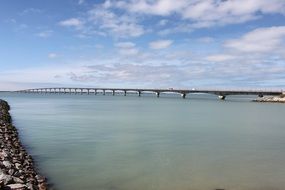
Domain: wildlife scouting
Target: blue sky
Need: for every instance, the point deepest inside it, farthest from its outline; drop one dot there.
(142, 43)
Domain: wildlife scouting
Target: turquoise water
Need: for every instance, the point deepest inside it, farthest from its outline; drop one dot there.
(148, 143)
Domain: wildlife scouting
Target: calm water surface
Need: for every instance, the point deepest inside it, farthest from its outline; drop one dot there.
(147, 143)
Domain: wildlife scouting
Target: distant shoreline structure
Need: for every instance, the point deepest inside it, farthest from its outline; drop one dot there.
(272, 99)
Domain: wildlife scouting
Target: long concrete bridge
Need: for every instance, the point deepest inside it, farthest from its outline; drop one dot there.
(183, 92)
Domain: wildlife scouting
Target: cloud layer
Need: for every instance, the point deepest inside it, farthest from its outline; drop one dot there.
(147, 43)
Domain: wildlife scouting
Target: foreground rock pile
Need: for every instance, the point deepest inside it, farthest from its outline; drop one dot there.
(17, 170)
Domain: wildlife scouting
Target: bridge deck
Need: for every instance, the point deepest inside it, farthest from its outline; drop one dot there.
(221, 93)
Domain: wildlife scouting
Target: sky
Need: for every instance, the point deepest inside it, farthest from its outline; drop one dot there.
(142, 44)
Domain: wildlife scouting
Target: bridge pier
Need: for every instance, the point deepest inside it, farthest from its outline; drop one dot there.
(113, 92)
(95, 92)
(183, 95)
(139, 93)
(157, 94)
(88, 91)
(104, 93)
(222, 97)
(125, 92)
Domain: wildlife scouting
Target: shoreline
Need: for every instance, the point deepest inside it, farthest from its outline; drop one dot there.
(271, 99)
(17, 168)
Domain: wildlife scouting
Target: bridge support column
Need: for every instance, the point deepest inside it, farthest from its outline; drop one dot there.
(95, 92)
(222, 97)
(81, 91)
(88, 91)
(125, 93)
(104, 92)
(113, 92)
(139, 93)
(183, 95)
(157, 94)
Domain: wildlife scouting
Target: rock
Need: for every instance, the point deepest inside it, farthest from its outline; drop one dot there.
(11, 171)
(17, 186)
(7, 164)
(6, 178)
(5, 153)
(2, 184)
(40, 179)
(42, 186)
(17, 180)
(18, 166)
(30, 186)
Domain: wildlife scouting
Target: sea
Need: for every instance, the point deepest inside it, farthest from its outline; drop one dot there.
(96, 142)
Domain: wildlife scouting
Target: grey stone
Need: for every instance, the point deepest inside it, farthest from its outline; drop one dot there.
(11, 171)
(7, 164)
(6, 178)
(17, 186)
(17, 180)
(18, 166)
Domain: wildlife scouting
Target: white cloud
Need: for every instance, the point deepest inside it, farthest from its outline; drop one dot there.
(140, 75)
(118, 25)
(129, 51)
(127, 48)
(204, 13)
(80, 2)
(261, 40)
(163, 22)
(206, 39)
(160, 44)
(159, 7)
(52, 55)
(74, 22)
(125, 45)
(220, 57)
(45, 34)
(31, 11)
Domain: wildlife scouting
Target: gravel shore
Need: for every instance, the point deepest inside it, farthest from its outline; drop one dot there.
(17, 169)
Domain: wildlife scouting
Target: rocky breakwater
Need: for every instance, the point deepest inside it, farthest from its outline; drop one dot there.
(17, 171)
(276, 99)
